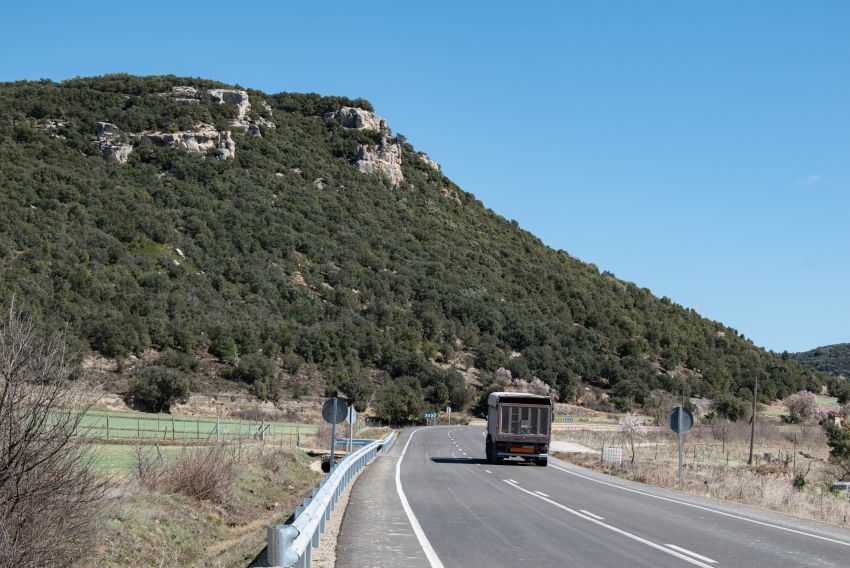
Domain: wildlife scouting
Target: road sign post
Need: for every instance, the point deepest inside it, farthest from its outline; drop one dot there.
(334, 411)
(449, 411)
(680, 421)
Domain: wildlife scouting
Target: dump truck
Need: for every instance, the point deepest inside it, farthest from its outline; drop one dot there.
(519, 425)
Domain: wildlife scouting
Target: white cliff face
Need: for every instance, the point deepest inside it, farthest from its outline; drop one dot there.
(201, 140)
(384, 159)
(111, 143)
(428, 161)
(352, 117)
(234, 97)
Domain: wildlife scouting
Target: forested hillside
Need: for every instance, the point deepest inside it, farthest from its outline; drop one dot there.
(829, 358)
(287, 249)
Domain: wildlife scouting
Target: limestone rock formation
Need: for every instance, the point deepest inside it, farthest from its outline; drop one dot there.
(111, 143)
(385, 159)
(201, 140)
(184, 94)
(353, 117)
(237, 98)
(427, 159)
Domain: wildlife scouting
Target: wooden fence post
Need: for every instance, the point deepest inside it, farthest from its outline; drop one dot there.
(107, 425)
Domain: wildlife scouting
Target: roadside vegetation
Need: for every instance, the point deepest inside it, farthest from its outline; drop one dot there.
(801, 449)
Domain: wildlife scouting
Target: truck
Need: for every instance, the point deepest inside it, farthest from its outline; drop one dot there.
(519, 425)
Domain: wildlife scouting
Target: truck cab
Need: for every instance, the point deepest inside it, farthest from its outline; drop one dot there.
(519, 425)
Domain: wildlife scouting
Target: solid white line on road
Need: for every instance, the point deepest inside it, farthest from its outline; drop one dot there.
(627, 534)
(541, 493)
(695, 506)
(433, 559)
(692, 553)
(597, 517)
(510, 481)
(488, 471)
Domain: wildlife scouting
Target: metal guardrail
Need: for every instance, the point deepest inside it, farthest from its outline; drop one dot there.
(292, 545)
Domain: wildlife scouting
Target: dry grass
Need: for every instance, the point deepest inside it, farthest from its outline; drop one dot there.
(764, 486)
(715, 465)
(205, 473)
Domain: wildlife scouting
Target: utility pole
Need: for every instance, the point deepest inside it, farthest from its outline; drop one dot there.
(681, 440)
(753, 423)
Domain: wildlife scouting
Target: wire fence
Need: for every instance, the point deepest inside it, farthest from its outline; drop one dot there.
(127, 426)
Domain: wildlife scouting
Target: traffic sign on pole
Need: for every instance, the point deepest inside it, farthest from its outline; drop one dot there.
(334, 411)
(681, 420)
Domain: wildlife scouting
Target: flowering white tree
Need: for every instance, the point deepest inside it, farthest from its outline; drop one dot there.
(537, 386)
(631, 427)
(502, 378)
(519, 385)
(803, 408)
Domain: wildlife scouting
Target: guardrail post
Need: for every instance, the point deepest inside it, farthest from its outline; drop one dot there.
(280, 539)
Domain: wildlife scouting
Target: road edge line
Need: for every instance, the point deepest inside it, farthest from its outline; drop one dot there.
(695, 506)
(430, 554)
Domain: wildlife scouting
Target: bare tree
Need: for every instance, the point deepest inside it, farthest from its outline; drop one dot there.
(48, 488)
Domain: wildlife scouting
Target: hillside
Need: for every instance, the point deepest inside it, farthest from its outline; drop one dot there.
(829, 358)
(167, 212)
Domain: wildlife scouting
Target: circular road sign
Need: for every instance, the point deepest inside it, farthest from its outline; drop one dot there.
(335, 415)
(687, 419)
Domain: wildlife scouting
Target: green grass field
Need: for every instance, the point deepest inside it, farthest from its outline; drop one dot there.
(135, 425)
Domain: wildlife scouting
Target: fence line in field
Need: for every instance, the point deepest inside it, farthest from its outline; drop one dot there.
(106, 427)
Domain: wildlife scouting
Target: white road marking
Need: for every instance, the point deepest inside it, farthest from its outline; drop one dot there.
(586, 512)
(692, 553)
(541, 493)
(433, 559)
(488, 471)
(510, 480)
(685, 503)
(626, 534)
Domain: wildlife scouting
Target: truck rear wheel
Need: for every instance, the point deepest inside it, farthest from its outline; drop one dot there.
(542, 461)
(491, 451)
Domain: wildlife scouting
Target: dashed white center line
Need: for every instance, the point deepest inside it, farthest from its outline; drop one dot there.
(694, 554)
(488, 471)
(671, 552)
(541, 493)
(588, 513)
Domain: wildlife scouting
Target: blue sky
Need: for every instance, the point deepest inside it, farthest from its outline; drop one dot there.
(699, 149)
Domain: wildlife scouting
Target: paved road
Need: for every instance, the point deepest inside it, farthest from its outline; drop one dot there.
(463, 512)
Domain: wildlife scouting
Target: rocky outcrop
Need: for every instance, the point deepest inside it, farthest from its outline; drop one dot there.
(428, 161)
(234, 97)
(112, 143)
(353, 117)
(202, 140)
(384, 159)
(184, 94)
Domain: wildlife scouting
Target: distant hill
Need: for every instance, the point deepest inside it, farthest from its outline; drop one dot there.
(168, 212)
(830, 358)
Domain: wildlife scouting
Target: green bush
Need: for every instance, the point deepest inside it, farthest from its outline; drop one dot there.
(155, 388)
(731, 408)
(253, 368)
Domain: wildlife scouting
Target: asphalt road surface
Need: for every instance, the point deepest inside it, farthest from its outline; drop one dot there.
(434, 502)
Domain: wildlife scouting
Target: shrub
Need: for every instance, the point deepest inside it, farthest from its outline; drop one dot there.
(177, 360)
(206, 474)
(400, 401)
(224, 347)
(253, 368)
(155, 388)
(731, 408)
